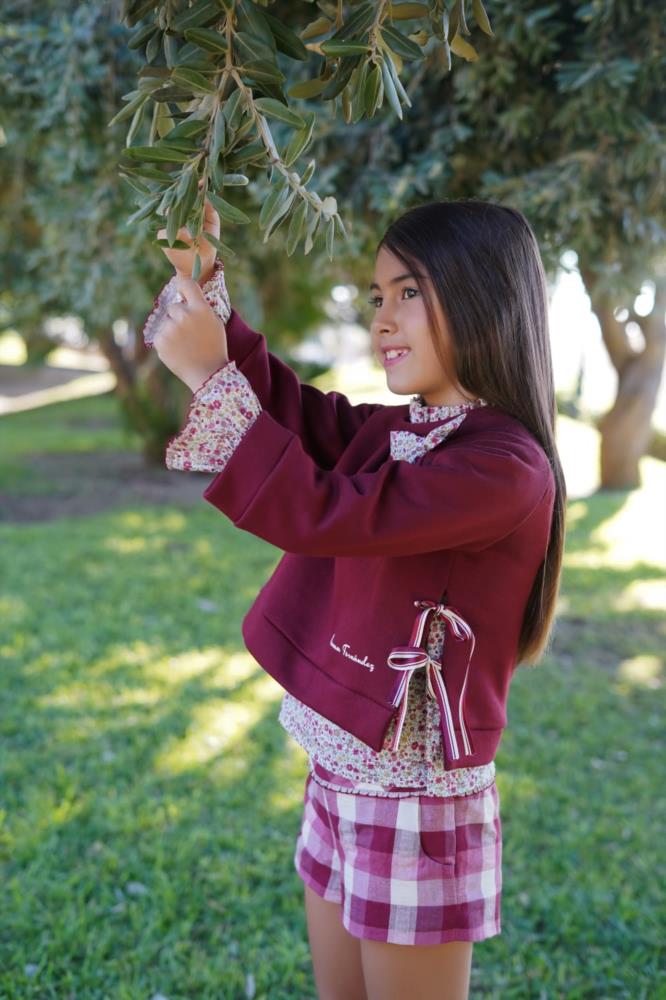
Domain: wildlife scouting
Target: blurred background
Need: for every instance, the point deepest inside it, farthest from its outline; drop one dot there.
(149, 800)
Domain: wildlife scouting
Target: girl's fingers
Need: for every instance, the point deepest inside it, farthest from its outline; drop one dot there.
(189, 289)
(211, 219)
(176, 311)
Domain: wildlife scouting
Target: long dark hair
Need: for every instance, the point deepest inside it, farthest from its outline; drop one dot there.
(484, 264)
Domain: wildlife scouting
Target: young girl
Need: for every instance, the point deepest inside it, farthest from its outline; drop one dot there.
(423, 546)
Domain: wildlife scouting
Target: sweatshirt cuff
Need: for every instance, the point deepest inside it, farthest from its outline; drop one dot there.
(221, 412)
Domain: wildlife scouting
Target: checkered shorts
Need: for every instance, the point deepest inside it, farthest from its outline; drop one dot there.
(417, 870)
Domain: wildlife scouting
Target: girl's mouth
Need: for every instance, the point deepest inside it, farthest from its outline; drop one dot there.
(395, 357)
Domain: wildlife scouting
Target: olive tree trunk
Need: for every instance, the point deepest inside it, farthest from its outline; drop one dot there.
(626, 429)
(153, 403)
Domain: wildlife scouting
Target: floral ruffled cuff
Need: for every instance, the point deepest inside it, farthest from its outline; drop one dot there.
(221, 412)
(214, 291)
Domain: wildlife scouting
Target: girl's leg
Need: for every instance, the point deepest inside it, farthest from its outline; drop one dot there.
(420, 972)
(336, 955)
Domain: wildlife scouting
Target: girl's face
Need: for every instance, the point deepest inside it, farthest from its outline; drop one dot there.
(400, 321)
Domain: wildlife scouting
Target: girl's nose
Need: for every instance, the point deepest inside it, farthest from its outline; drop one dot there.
(382, 322)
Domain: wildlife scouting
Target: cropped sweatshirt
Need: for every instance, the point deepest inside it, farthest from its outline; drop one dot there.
(391, 536)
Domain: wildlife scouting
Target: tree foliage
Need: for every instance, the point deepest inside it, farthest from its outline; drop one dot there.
(558, 112)
(215, 85)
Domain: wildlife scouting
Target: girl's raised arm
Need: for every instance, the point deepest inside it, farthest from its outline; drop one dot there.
(324, 422)
(463, 496)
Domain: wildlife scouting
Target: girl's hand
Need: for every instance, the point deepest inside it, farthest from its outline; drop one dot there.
(183, 260)
(191, 340)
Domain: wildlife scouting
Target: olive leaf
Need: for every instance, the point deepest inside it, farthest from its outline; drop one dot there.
(129, 109)
(250, 47)
(141, 36)
(296, 226)
(400, 43)
(393, 70)
(226, 211)
(343, 48)
(277, 110)
(250, 18)
(219, 135)
(263, 70)
(308, 172)
(218, 244)
(163, 154)
(481, 17)
(371, 90)
(357, 23)
(285, 39)
(279, 211)
(233, 110)
(407, 11)
(278, 191)
(300, 140)
(330, 236)
(199, 13)
(464, 49)
(235, 180)
(211, 41)
(192, 78)
(316, 28)
(390, 90)
(311, 232)
(250, 151)
(308, 88)
(148, 173)
(143, 212)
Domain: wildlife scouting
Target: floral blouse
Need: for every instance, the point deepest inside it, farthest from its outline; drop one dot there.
(221, 411)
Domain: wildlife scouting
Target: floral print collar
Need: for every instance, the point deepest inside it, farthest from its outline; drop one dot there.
(421, 413)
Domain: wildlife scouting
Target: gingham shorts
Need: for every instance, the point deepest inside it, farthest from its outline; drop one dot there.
(418, 870)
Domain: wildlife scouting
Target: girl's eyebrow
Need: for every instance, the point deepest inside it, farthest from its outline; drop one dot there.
(394, 281)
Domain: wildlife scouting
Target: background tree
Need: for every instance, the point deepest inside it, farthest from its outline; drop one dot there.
(68, 249)
(559, 115)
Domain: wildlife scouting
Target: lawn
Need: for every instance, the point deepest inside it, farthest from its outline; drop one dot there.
(150, 801)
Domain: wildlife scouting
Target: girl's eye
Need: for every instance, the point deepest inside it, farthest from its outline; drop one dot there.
(377, 298)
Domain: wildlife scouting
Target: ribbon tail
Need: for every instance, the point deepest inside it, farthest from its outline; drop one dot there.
(446, 716)
(400, 721)
(467, 739)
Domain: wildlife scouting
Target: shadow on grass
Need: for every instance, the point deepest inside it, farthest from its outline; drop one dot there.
(151, 801)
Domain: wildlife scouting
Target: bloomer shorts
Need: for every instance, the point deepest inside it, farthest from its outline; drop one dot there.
(419, 870)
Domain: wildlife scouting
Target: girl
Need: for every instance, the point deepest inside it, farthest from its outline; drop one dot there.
(422, 553)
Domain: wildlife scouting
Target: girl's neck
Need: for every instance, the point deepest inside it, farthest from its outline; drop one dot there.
(458, 401)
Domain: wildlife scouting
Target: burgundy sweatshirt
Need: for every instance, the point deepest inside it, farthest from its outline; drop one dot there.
(367, 538)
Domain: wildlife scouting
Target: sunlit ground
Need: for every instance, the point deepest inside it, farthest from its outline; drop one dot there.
(149, 800)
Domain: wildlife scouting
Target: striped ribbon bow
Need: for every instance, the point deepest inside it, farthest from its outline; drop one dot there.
(413, 657)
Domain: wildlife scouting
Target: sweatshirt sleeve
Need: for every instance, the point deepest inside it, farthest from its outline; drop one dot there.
(461, 495)
(220, 413)
(324, 422)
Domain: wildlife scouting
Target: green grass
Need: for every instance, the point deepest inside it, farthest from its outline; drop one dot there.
(90, 424)
(150, 801)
